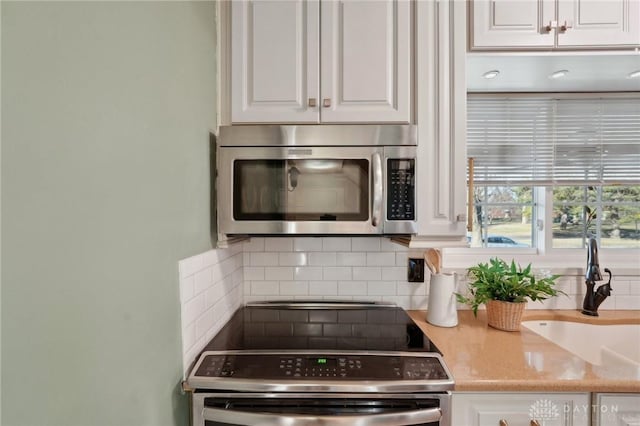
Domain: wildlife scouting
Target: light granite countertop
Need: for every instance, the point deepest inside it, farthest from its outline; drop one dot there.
(482, 358)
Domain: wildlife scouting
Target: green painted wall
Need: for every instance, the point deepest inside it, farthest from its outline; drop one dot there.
(106, 113)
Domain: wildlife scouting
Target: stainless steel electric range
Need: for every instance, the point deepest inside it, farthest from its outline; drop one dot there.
(306, 363)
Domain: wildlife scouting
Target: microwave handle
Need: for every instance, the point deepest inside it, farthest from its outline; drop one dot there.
(377, 189)
(407, 418)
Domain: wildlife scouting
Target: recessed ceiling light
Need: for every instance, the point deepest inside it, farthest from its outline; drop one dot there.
(559, 74)
(634, 74)
(491, 74)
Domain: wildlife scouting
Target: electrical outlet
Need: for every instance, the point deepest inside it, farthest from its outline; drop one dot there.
(416, 270)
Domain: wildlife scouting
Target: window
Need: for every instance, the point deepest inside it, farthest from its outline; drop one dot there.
(503, 217)
(611, 213)
(568, 166)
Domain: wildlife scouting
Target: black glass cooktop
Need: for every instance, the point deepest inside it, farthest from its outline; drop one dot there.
(297, 327)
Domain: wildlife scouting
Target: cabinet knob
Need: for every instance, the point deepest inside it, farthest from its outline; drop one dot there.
(552, 25)
(564, 27)
(503, 422)
(326, 102)
(534, 423)
(312, 102)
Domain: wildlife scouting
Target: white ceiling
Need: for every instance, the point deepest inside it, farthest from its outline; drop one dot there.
(592, 72)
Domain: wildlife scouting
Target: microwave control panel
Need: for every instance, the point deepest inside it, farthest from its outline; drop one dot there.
(401, 189)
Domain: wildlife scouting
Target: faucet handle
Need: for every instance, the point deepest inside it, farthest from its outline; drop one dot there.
(608, 271)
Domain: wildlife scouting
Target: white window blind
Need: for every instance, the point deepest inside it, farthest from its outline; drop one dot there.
(538, 141)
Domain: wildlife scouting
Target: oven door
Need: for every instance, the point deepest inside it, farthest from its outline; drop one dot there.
(300, 190)
(321, 409)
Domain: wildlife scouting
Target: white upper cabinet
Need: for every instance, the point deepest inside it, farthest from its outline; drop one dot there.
(365, 55)
(359, 70)
(554, 24)
(599, 23)
(275, 60)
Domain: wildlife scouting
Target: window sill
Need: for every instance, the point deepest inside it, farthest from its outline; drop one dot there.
(621, 262)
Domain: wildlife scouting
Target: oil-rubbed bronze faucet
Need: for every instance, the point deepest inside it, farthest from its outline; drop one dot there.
(593, 299)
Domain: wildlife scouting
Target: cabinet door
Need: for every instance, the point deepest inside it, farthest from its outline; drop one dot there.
(520, 409)
(617, 409)
(599, 23)
(366, 61)
(275, 60)
(441, 92)
(511, 24)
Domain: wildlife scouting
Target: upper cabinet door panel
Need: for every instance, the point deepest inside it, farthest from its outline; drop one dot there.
(599, 23)
(275, 60)
(509, 23)
(366, 61)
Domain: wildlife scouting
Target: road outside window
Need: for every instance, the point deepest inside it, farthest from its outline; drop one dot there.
(503, 217)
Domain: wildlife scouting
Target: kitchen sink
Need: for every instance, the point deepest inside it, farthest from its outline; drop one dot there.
(611, 346)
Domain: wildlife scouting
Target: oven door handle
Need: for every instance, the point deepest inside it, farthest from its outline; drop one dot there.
(406, 418)
(377, 189)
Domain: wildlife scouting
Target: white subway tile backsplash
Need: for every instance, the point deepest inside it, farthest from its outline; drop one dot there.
(202, 280)
(627, 302)
(397, 273)
(381, 288)
(188, 336)
(187, 286)
(365, 244)
(307, 244)
(323, 288)
(336, 273)
(213, 295)
(620, 288)
(307, 273)
(367, 273)
(381, 259)
(294, 288)
(322, 259)
(292, 259)
(263, 259)
(352, 288)
(409, 289)
(254, 273)
(192, 309)
(278, 273)
(336, 244)
(253, 245)
(351, 259)
(204, 323)
(403, 257)
(278, 244)
(211, 289)
(265, 288)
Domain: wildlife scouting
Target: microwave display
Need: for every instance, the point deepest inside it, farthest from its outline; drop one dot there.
(401, 189)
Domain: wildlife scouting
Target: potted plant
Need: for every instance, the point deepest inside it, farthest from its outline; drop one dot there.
(505, 289)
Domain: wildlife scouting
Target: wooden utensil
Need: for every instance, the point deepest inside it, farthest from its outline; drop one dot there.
(438, 265)
(431, 258)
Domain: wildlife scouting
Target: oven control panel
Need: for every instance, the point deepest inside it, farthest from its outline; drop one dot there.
(321, 367)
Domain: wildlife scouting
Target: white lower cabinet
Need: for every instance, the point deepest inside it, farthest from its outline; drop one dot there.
(617, 409)
(520, 409)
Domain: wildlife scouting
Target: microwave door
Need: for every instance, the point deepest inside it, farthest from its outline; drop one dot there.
(315, 190)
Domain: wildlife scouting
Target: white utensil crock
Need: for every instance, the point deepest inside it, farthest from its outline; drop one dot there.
(442, 310)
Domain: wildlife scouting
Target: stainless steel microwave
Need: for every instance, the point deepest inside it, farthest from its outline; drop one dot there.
(317, 179)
